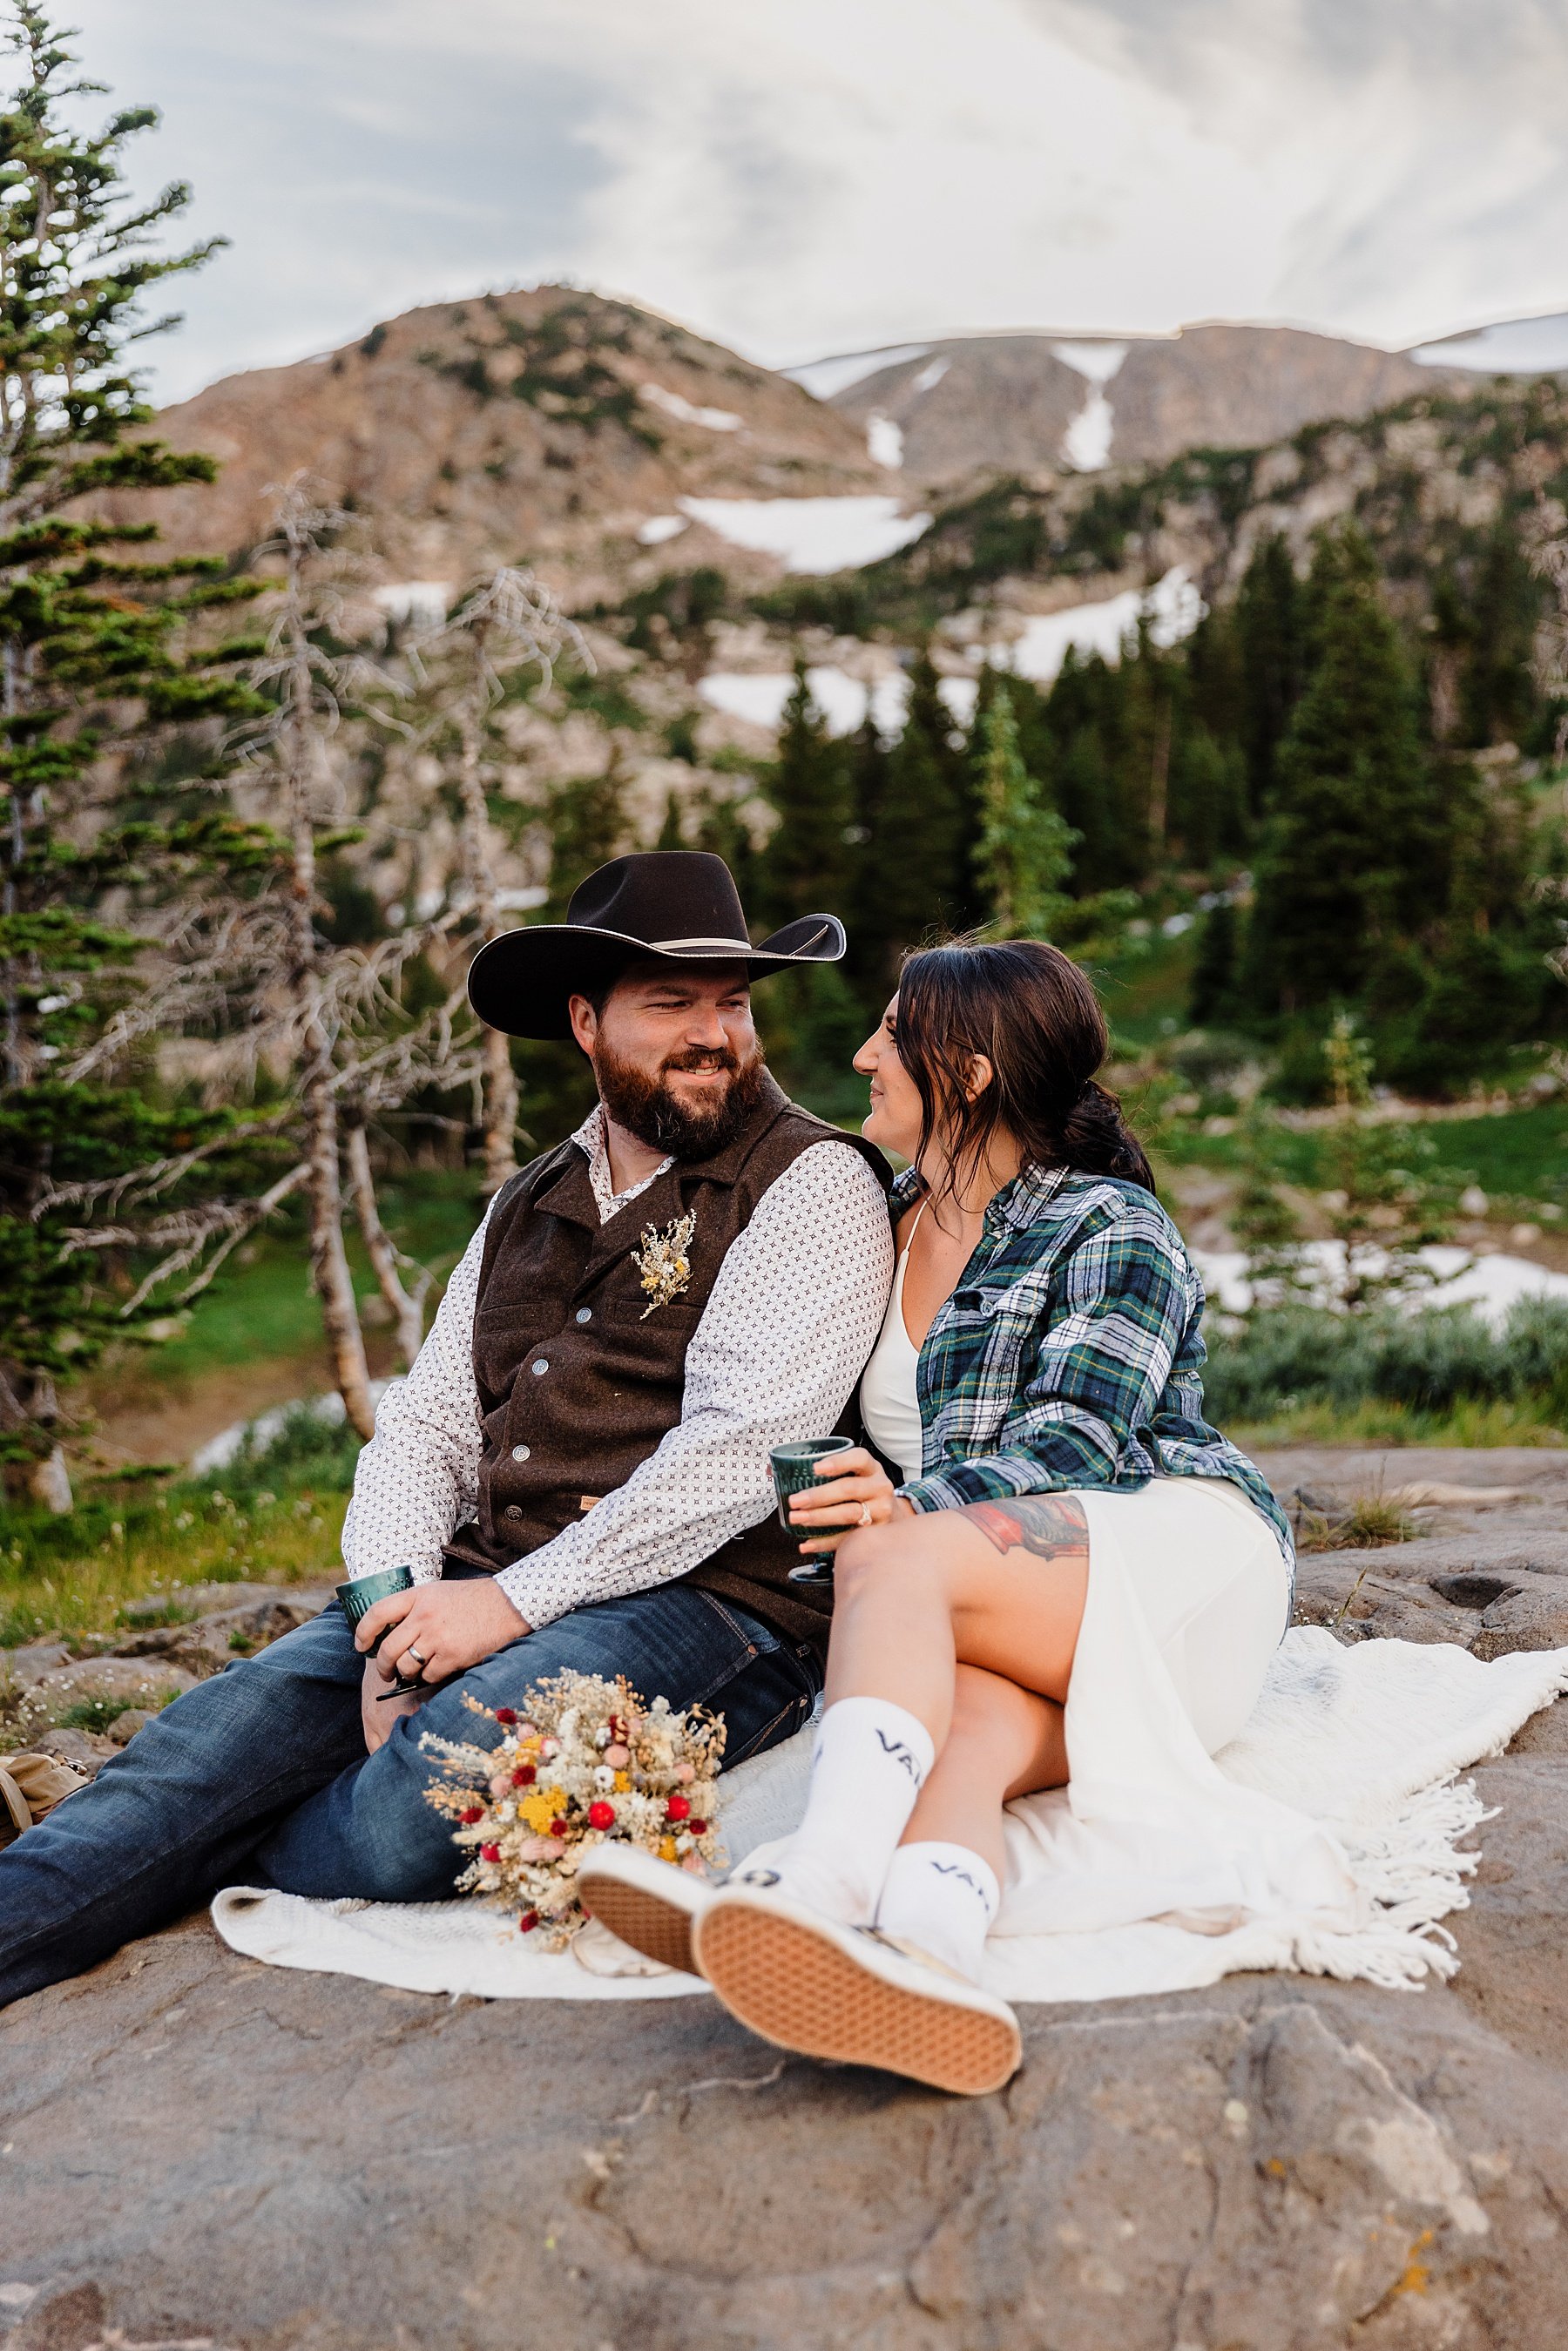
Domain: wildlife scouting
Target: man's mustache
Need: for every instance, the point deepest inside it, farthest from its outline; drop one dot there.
(700, 1057)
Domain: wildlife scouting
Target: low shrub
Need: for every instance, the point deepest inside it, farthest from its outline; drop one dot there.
(1427, 1362)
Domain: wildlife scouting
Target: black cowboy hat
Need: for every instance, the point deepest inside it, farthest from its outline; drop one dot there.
(680, 904)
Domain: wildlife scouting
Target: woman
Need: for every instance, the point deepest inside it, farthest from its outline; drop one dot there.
(1038, 1384)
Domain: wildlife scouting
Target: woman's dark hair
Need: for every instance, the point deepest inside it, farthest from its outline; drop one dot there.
(1037, 1019)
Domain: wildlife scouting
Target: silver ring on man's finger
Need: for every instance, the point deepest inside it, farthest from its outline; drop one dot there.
(419, 1656)
(866, 1514)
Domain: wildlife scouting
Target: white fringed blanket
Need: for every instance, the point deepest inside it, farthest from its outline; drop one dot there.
(1325, 1839)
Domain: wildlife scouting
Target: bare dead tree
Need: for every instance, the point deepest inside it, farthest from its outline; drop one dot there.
(308, 684)
(510, 622)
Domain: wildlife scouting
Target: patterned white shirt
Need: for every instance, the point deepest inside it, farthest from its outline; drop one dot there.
(793, 1313)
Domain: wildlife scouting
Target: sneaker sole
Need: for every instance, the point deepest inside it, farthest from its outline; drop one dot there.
(799, 1990)
(660, 1930)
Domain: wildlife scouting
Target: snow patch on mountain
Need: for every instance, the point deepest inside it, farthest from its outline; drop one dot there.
(811, 534)
(825, 379)
(713, 420)
(423, 601)
(883, 440)
(1513, 347)
(1173, 604)
(659, 528)
(1086, 444)
(1098, 361)
(759, 698)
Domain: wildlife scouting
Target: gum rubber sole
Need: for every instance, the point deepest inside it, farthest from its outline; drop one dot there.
(802, 1991)
(661, 1931)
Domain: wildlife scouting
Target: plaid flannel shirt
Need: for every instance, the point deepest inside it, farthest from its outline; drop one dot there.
(1070, 1353)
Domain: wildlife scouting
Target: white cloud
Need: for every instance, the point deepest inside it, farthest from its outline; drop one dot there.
(798, 176)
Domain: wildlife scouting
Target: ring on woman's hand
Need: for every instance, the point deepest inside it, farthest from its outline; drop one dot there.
(866, 1514)
(419, 1656)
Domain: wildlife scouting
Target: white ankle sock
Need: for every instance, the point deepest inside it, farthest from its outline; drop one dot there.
(870, 1762)
(942, 1898)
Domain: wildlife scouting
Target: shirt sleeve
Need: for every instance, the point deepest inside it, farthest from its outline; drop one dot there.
(1096, 1370)
(417, 1481)
(790, 1320)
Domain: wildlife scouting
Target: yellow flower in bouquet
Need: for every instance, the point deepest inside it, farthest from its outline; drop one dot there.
(584, 1762)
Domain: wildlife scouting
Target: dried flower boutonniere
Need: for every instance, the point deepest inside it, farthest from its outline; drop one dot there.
(664, 1261)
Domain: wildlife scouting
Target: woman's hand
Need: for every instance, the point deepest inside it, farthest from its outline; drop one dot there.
(855, 1491)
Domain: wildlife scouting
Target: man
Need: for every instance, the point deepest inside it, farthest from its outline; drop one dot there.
(575, 1469)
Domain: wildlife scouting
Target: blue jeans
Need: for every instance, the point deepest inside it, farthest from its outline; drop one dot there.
(260, 1775)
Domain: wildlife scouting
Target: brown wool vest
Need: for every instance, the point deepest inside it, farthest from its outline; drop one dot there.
(578, 1383)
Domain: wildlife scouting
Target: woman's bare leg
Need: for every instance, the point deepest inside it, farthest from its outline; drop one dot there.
(999, 1586)
(998, 1589)
(1004, 1742)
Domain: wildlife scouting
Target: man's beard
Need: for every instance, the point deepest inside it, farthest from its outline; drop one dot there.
(647, 1108)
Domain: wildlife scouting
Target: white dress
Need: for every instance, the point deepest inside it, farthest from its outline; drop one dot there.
(1202, 1564)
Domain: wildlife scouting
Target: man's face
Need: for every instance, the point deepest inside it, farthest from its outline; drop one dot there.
(674, 1054)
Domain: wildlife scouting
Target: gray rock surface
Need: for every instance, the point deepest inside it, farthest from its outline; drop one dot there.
(85, 1749)
(205, 1646)
(194, 2145)
(132, 1680)
(124, 1727)
(22, 1668)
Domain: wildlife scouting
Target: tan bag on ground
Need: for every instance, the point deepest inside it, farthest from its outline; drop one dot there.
(30, 1786)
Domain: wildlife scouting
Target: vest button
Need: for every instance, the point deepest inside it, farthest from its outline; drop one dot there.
(519, 1452)
(513, 1510)
(539, 1367)
(585, 1313)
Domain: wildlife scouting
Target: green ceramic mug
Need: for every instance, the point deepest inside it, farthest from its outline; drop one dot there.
(795, 1470)
(356, 1599)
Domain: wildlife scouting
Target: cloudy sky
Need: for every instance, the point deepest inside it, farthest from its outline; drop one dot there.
(801, 176)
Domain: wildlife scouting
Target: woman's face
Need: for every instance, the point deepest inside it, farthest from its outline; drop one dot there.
(895, 1120)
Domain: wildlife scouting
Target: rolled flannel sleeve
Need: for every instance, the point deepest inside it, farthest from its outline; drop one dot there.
(1098, 1363)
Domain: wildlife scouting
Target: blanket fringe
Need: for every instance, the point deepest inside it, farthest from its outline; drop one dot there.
(1409, 1867)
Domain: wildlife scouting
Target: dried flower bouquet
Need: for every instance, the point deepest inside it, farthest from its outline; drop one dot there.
(586, 1762)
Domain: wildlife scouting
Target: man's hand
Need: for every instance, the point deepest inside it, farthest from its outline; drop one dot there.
(437, 1630)
(377, 1711)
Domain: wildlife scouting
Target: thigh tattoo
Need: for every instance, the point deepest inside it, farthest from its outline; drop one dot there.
(1050, 1526)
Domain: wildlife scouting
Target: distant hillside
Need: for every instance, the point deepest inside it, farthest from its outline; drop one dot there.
(1038, 403)
(550, 426)
(1444, 487)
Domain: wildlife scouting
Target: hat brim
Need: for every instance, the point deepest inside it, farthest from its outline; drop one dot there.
(522, 982)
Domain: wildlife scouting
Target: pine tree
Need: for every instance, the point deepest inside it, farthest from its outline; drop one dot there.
(1208, 818)
(507, 625)
(1076, 713)
(865, 961)
(802, 866)
(98, 652)
(921, 847)
(1268, 624)
(1351, 854)
(1214, 965)
(1025, 849)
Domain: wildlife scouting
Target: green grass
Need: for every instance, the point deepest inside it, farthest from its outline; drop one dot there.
(1518, 1155)
(275, 1519)
(74, 1576)
(264, 1307)
(1145, 990)
(1478, 1422)
(1521, 1154)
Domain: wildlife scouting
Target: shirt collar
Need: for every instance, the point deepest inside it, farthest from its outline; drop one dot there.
(1016, 1204)
(590, 1141)
(1020, 1203)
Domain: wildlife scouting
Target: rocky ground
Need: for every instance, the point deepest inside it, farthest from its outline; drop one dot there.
(196, 2149)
